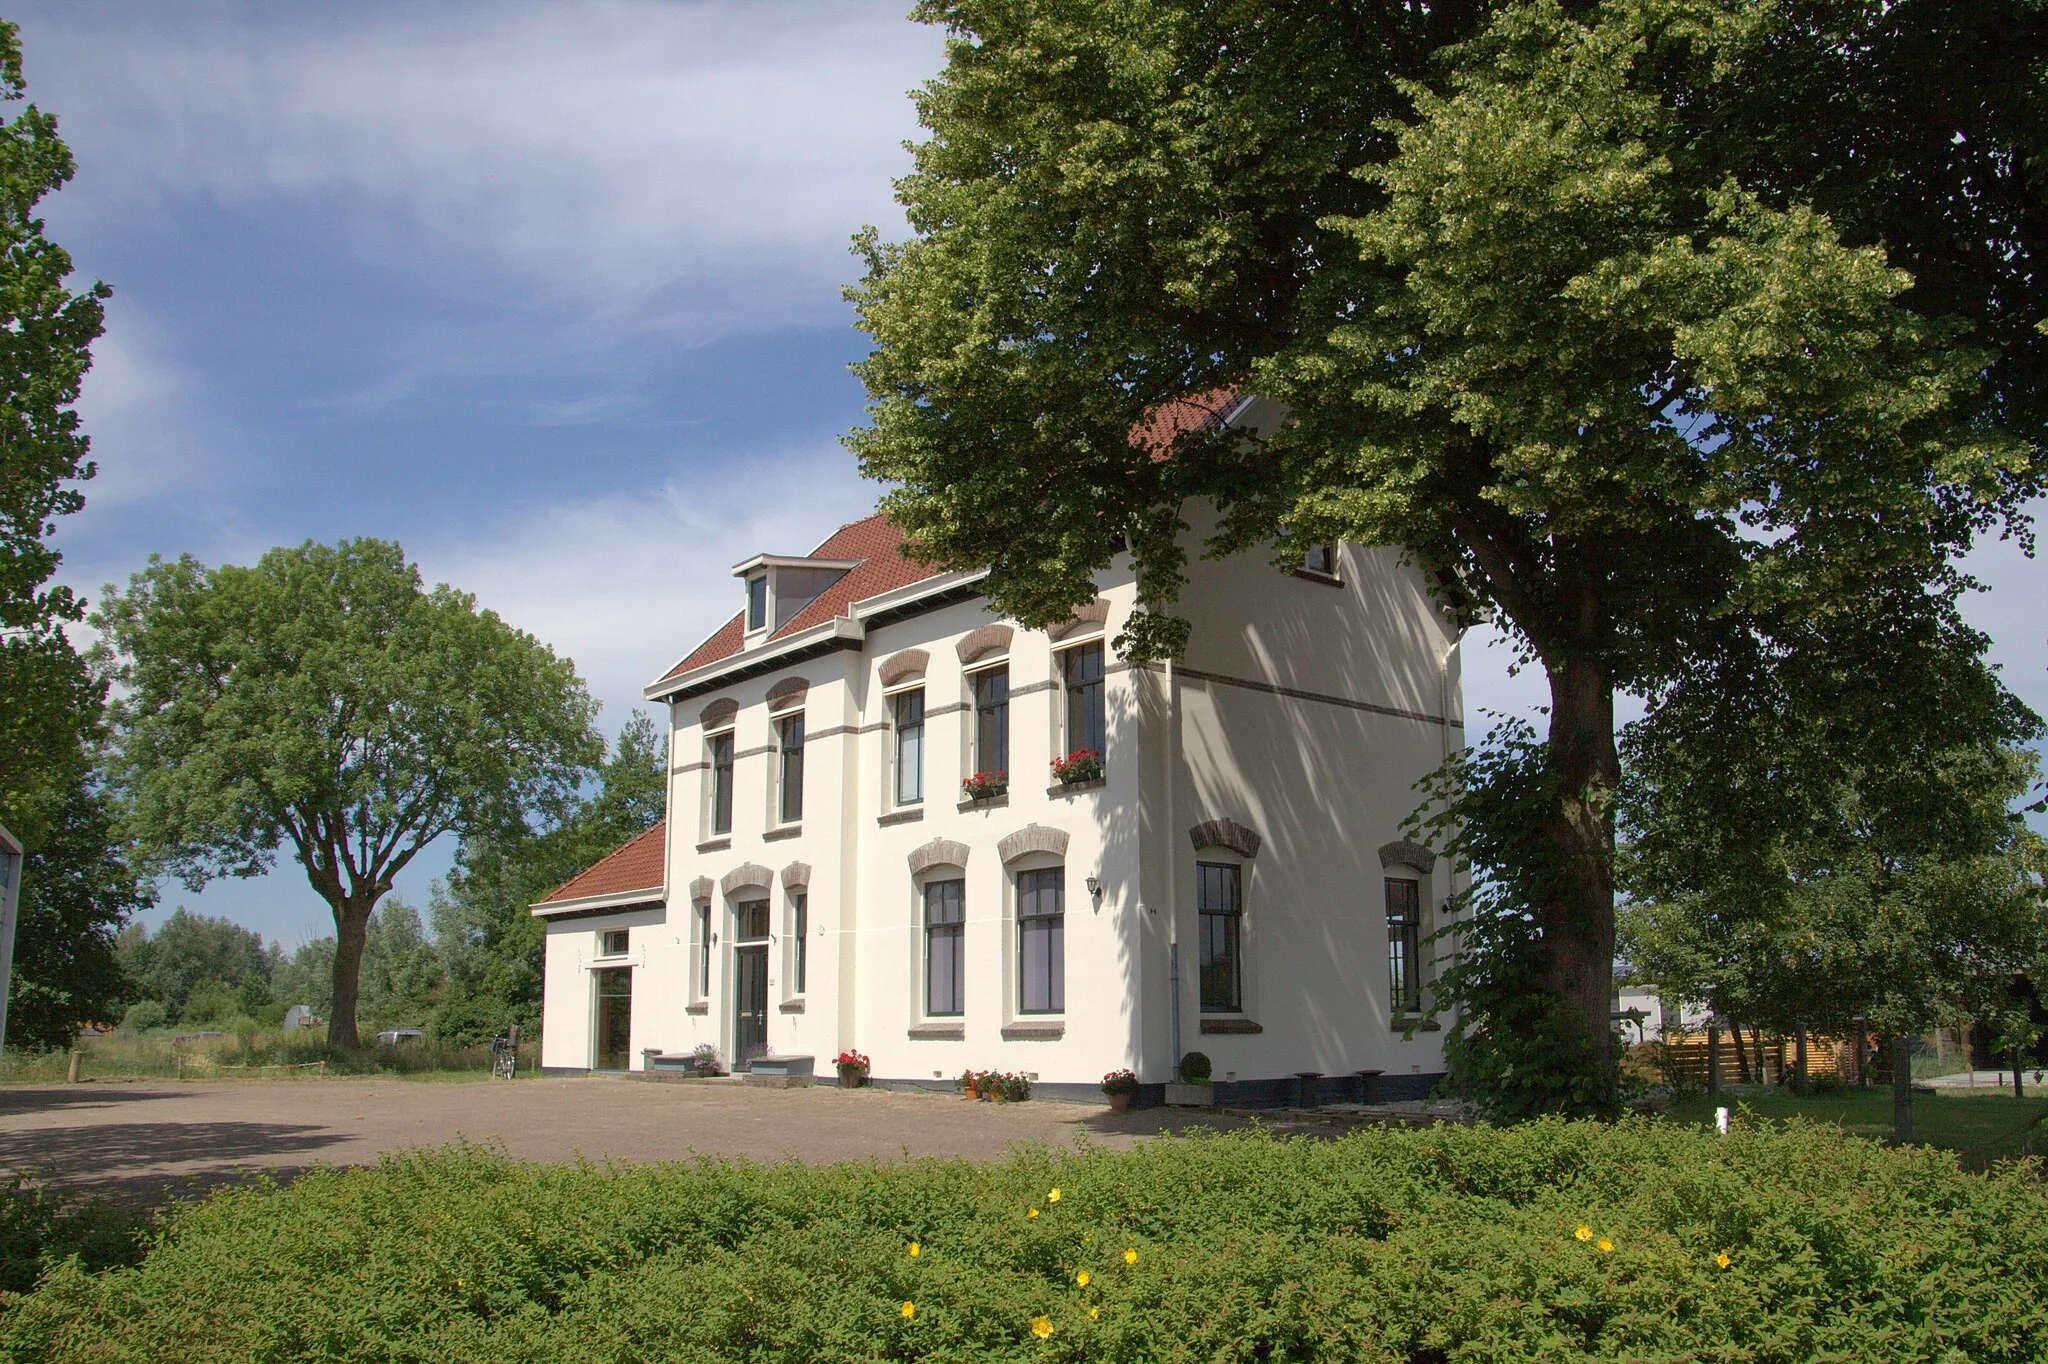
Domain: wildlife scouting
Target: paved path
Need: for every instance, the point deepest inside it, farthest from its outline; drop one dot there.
(135, 1138)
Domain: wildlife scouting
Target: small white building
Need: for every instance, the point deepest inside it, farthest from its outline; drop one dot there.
(1234, 880)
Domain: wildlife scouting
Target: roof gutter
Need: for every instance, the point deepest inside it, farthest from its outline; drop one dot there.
(599, 904)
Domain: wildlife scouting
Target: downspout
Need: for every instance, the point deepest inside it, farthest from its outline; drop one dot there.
(1173, 862)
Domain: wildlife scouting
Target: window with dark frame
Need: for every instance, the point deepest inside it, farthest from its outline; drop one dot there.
(1087, 722)
(1042, 941)
(703, 950)
(909, 707)
(789, 735)
(1404, 944)
(945, 961)
(1321, 559)
(1219, 905)
(799, 927)
(614, 942)
(992, 720)
(757, 602)
(721, 783)
(750, 921)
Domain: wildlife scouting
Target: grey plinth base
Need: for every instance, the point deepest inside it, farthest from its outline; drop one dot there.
(1191, 1096)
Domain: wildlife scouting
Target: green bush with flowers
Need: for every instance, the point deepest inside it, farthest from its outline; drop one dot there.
(1550, 1240)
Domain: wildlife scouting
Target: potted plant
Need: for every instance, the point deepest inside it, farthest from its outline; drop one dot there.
(985, 786)
(1194, 1089)
(971, 1083)
(853, 1069)
(704, 1060)
(1013, 1089)
(1120, 1085)
(1083, 764)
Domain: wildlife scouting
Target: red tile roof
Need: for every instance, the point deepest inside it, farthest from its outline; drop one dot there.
(637, 866)
(876, 543)
(1168, 422)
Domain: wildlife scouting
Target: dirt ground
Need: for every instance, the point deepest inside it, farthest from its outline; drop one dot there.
(147, 1138)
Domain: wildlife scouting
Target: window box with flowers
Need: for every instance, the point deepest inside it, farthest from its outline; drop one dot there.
(985, 786)
(853, 1069)
(1082, 765)
(1120, 1086)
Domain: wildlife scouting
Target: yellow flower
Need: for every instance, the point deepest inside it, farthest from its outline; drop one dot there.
(1724, 1259)
(1584, 1232)
(1053, 1197)
(1095, 1314)
(1606, 1246)
(915, 1250)
(1030, 1213)
(1130, 1257)
(1082, 1278)
(1041, 1327)
(909, 1310)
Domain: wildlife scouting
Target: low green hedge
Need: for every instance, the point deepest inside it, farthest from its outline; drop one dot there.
(1549, 1241)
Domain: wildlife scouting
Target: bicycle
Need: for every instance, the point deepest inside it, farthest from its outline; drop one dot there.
(504, 1060)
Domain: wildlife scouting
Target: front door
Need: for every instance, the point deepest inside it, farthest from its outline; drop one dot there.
(750, 1005)
(614, 1017)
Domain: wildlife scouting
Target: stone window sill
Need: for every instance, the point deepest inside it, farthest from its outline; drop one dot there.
(1403, 1022)
(786, 831)
(985, 803)
(1311, 576)
(1076, 787)
(791, 1006)
(718, 844)
(1230, 1025)
(938, 1032)
(1034, 1030)
(697, 1006)
(910, 816)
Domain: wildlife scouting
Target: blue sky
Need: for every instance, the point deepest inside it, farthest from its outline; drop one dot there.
(546, 292)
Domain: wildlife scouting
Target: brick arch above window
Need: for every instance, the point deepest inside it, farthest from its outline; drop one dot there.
(718, 713)
(1225, 833)
(796, 876)
(940, 852)
(1402, 853)
(1085, 617)
(1032, 838)
(982, 641)
(701, 890)
(788, 694)
(903, 666)
(747, 876)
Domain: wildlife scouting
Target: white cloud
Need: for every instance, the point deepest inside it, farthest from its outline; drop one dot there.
(693, 165)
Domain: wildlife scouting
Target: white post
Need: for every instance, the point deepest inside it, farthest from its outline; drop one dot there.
(10, 904)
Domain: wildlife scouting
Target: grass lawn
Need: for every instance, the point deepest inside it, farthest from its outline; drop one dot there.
(1983, 1125)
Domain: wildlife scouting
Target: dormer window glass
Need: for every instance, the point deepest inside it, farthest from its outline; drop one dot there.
(757, 602)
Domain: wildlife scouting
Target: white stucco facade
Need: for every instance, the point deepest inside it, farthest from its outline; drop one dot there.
(1286, 745)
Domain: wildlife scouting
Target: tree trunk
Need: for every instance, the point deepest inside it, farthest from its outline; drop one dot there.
(351, 931)
(1578, 916)
(1902, 1088)
(1741, 1052)
(2018, 1090)
(1713, 1059)
(1800, 1081)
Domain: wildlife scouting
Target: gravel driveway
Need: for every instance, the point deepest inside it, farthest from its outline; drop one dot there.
(136, 1138)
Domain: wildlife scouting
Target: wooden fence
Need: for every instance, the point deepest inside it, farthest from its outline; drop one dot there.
(1683, 1059)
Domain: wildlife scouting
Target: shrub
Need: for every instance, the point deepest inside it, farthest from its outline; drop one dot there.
(40, 1228)
(1548, 1240)
(144, 1015)
(210, 1002)
(1195, 1068)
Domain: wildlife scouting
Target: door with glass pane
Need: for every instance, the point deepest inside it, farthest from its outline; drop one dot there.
(749, 982)
(614, 1017)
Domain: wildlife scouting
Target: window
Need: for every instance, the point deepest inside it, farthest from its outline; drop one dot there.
(992, 720)
(721, 783)
(1404, 944)
(789, 737)
(1041, 942)
(613, 942)
(757, 602)
(750, 921)
(1086, 724)
(1321, 559)
(799, 925)
(1220, 905)
(909, 747)
(703, 927)
(945, 962)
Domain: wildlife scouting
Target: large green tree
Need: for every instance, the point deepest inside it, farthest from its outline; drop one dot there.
(326, 701)
(1596, 309)
(186, 950)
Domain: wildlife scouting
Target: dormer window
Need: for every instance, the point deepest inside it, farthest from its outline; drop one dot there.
(779, 588)
(757, 603)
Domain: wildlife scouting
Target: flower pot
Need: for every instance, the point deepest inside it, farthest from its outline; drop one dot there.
(1119, 1103)
(852, 1077)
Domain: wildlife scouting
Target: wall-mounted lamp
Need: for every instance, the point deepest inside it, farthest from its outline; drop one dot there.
(1094, 887)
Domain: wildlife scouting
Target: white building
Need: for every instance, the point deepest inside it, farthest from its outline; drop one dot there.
(1234, 882)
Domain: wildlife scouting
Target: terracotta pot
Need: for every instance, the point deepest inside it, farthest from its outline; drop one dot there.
(852, 1077)
(1119, 1103)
